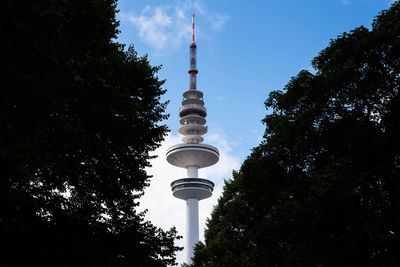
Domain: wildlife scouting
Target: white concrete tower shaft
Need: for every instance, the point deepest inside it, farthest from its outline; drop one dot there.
(192, 227)
(192, 155)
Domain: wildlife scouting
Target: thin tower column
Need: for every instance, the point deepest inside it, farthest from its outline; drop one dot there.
(192, 226)
(193, 172)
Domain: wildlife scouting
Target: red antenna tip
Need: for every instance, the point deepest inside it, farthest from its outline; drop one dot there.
(193, 28)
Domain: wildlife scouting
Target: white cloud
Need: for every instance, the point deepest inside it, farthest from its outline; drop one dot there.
(345, 2)
(166, 211)
(199, 7)
(165, 27)
(153, 26)
(219, 20)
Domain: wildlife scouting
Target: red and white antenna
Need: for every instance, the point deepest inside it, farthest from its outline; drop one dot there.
(193, 28)
(193, 70)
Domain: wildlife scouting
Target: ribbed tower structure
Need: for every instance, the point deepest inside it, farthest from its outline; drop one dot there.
(192, 155)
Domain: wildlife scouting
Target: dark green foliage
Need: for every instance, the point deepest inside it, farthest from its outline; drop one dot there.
(78, 116)
(323, 188)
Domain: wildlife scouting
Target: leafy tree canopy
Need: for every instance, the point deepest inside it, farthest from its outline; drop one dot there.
(78, 117)
(323, 188)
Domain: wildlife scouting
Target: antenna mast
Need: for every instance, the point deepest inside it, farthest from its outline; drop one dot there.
(193, 70)
(193, 28)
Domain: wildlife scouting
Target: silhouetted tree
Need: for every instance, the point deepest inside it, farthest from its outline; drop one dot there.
(78, 118)
(323, 187)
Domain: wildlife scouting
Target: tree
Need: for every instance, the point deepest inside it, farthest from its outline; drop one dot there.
(322, 189)
(79, 115)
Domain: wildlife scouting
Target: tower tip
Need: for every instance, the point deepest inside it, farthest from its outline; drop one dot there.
(192, 28)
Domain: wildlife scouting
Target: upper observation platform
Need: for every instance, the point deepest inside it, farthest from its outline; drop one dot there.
(199, 155)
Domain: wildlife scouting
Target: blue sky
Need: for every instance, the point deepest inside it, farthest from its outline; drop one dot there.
(245, 50)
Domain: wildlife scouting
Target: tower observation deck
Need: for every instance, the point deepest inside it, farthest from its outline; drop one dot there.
(192, 155)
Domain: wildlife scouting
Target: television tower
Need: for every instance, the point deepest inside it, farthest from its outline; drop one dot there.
(192, 155)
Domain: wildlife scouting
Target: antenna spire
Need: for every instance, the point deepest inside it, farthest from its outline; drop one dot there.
(193, 28)
(193, 70)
